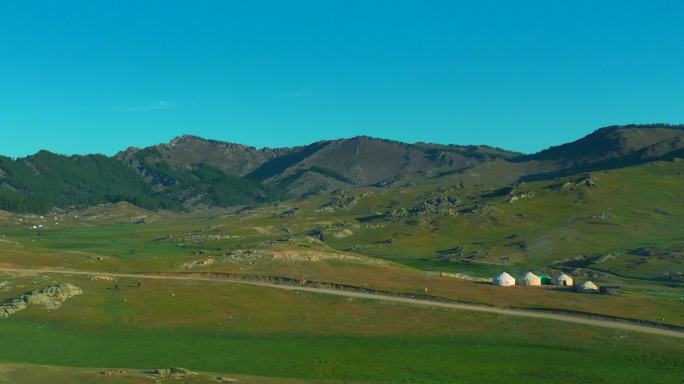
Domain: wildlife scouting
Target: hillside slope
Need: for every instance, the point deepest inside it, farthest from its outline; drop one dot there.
(318, 167)
(611, 147)
(190, 172)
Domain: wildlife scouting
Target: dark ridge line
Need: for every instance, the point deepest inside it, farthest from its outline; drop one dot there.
(626, 161)
(281, 163)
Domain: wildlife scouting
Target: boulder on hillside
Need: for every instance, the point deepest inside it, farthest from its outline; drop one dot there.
(51, 298)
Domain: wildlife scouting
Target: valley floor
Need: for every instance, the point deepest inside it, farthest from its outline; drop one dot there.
(614, 323)
(304, 336)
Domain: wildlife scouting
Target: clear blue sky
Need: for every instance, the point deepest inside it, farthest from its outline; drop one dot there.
(98, 76)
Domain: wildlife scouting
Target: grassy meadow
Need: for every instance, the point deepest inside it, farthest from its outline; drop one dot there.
(259, 334)
(246, 330)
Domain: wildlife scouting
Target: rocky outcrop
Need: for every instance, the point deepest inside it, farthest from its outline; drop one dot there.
(199, 263)
(334, 230)
(440, 205)
(479, 210)
(340, 201)
(247, 256)
(584, 180)
(341, 234)
(515, 197)
(299, 255)
(101, 278)
(50, 298)
(224, 379)
(173, 372)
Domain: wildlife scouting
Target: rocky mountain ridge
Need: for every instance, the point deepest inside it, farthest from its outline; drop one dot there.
(191, 172)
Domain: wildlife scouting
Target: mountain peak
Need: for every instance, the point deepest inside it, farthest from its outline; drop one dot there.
(187, 169)
(610, 142)
(185, 138)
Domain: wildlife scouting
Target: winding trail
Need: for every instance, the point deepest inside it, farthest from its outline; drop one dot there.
(622, 325)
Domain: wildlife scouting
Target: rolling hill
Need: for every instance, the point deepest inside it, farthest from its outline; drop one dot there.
(190, 172)
(364, 215)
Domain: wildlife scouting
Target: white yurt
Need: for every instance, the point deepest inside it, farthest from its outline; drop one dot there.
(531, 279)
(564, 280)
(587, 287)
(504, 280)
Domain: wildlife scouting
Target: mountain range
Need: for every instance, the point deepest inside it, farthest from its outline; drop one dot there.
(190, 172)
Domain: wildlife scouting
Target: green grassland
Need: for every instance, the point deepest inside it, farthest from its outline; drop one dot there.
(625, 226)
(627, 208)
(246, 330)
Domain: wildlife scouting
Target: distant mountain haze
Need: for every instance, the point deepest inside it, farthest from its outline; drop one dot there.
(192, 173)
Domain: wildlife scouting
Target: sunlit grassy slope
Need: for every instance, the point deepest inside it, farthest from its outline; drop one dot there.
(551, 221)
(622, 226)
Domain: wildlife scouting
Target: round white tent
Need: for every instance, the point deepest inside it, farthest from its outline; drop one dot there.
(564, 280)
(587, 287)
(504, 280)
(531, 279)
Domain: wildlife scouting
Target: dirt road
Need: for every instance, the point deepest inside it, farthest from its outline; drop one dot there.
(577, 319)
